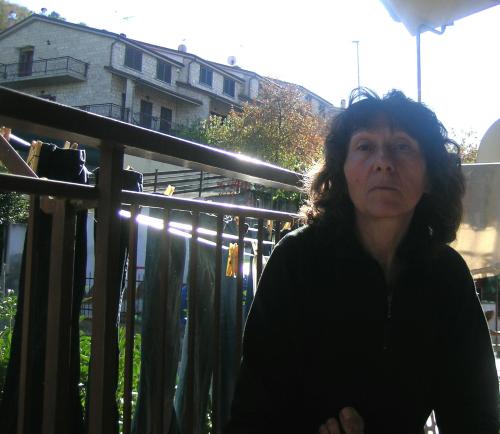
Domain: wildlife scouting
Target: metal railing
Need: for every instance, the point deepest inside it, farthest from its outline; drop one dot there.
(112, 138)
(37, 68)
(110, 110)
(151, 122)
(190, 181)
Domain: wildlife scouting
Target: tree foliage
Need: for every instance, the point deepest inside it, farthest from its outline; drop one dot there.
(21, 13)
(279, 128)
(13, 206)
(468, 142)
(6, 8)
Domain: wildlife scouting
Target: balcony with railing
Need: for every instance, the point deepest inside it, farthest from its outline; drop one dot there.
(56, 70)
(110, 110)
(152, 122)
(50, 328)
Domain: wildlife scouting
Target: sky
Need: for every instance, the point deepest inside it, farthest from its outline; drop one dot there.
(311, 43)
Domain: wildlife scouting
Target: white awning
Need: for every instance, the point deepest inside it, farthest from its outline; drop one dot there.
(433, 13)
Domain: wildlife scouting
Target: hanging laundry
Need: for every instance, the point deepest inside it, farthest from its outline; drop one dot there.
(64, 165)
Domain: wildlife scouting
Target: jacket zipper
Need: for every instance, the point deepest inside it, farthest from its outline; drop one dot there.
(387, 319)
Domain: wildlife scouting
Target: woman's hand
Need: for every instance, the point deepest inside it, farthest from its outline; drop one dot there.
(351, 422)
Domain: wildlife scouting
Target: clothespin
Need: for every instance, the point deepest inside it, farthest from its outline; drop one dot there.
(11, 159)
(34, 154)
(287, 226)
(68, 145)
(169, 191)
(269, 225)
(232, 260)
(5, 132)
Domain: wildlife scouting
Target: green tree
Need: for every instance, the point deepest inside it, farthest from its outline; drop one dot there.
(13, 209)
(6, 8)
(280, 128)
(468, 142)
(56, 15)
(13, 206)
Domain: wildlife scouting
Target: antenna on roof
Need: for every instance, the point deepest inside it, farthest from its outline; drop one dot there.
(44, 11)
(231, 60)
(182, 48)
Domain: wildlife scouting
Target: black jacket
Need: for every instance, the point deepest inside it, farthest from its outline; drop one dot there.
(325, 332)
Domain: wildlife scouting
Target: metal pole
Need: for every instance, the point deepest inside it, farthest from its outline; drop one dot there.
(357, 60)
(419, 70)
(424, 28)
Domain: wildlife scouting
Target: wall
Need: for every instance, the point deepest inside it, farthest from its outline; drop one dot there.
(53, 40)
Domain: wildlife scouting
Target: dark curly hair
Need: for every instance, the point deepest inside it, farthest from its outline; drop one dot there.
(440, 208)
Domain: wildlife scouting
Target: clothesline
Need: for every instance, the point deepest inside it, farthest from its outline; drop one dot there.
(158, 224)
(184, 230)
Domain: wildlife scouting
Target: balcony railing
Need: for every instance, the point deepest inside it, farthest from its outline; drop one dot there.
(48, 119)
(152, 122)
(110, 110)
(44, 67)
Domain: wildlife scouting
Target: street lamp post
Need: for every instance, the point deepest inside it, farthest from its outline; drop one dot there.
(357, 59)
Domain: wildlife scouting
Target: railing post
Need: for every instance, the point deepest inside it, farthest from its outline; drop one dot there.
(217, 374)
(24, 412)
(239, 291)
(191, 420)
(130, 323)
(201, 184)
(156, 181)
(103, 362)
(56, 402)
(260, 246)
(159, 409)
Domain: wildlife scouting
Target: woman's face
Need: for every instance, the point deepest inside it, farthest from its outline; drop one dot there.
(385, 173)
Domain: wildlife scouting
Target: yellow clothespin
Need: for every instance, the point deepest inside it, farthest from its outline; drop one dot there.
(287, 226)
(269, 225)
(5, 132)
(232, 260)
(74, 145)
(66, 145)
(34, 154)
(169, 191)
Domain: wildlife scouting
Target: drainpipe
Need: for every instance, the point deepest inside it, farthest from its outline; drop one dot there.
(189, 71)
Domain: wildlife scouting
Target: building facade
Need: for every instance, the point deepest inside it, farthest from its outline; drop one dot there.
(109, 74)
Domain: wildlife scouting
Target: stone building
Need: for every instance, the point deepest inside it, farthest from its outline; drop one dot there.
(115, 76)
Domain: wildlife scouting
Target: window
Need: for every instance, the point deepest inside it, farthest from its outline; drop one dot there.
(206, 76)
(164, 71)
(146, 114)
(133, 58)
(25, 66)
(228, 87)
(165, 119)
(221, 118)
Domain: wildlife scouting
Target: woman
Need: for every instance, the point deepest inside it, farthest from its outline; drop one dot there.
(365, 319)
